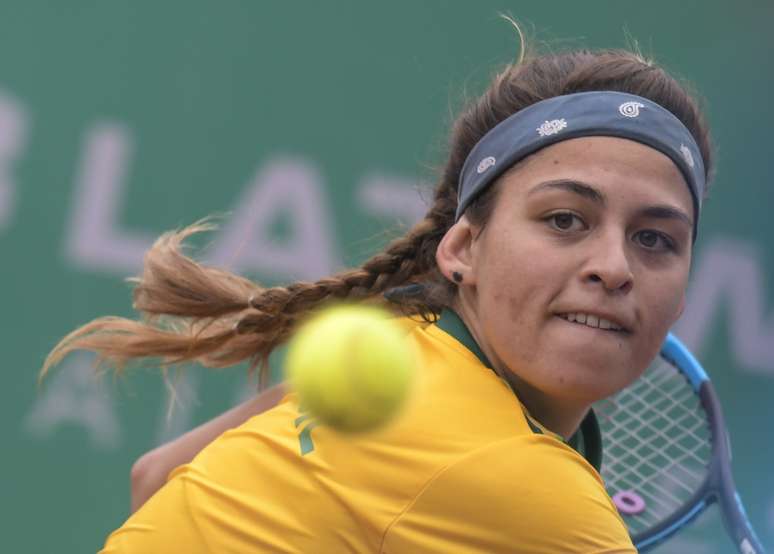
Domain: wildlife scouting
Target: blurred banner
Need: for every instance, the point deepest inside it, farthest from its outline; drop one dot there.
(314, 129)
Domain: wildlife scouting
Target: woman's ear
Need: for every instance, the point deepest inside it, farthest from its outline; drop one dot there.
(455, 253)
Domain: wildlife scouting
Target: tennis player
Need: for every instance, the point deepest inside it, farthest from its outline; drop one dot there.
(544, 277)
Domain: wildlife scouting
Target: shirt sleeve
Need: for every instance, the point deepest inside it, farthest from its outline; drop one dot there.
(163, 524)
(525, 494)
(228, 500)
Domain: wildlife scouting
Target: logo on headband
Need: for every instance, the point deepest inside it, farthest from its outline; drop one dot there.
(485, 164)
(630, 109)
(687, 155)
(552, 127)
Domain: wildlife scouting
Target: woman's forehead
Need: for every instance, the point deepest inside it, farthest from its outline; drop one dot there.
(607, 162)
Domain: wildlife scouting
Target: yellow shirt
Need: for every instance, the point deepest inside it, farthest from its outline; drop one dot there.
(460, 471)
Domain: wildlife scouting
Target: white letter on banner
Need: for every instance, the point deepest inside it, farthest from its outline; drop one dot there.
(393, 197)
(286, 186)
(72, 395)
(94, 240)
(729, 272)
(13, 137)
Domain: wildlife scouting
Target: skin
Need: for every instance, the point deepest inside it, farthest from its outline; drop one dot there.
(598, 225)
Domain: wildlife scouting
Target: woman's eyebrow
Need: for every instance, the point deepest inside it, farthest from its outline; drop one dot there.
(582, 189)
(587, 191)
(667, 212)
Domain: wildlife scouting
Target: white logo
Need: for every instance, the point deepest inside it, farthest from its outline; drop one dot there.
(485, 164)
(630, 109)
(746, 547)
(687, 155)
(551, 127)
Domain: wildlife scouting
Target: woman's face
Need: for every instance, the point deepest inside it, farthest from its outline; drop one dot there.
(583, 265)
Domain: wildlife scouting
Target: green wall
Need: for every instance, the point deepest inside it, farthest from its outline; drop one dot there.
(314, 125)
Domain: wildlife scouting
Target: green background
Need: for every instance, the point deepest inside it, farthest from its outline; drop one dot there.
(204, 103)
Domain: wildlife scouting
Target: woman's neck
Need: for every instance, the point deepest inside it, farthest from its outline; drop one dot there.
(559, 415)
(562, 417)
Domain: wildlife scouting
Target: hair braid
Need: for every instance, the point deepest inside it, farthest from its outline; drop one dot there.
(194, 312)
(408, 259)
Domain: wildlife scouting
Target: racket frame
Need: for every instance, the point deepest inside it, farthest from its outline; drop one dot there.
(718, 486)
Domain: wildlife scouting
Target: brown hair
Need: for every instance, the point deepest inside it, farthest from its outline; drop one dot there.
(193, 312)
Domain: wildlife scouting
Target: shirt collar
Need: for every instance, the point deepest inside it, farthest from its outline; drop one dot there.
(453, 325)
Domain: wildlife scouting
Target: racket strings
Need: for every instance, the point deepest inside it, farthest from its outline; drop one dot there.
(657, 444)
(680, 446)
(666, 467)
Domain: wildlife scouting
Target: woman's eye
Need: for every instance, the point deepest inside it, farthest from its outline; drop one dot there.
(654, 240)
(566, 221)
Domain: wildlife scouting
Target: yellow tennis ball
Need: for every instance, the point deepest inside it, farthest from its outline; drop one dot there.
(351, 367)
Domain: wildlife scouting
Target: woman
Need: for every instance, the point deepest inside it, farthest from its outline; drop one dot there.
(548, 270)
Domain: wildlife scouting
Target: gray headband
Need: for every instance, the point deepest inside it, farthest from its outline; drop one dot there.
(583, 114)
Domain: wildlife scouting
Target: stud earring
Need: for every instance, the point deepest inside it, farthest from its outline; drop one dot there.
(457, 276)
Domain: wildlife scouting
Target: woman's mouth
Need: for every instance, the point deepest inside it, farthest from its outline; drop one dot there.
(591, 320)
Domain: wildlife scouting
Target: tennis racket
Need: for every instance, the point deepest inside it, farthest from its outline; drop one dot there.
(667, 454)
